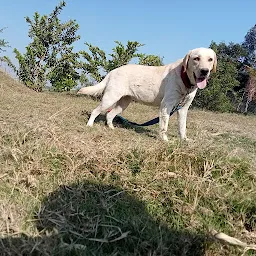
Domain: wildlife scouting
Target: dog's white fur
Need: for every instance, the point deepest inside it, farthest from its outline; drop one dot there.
(160, 86)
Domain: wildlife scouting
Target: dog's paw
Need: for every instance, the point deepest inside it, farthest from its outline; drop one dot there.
(186, 140)
(164, 137)
(110, 125)
(89, 124)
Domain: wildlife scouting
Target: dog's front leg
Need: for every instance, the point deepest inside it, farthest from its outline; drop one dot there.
(182, 115)
(163, 123)
(182, 120)
(164, 116)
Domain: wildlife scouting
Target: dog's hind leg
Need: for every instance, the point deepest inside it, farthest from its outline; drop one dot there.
(107, 102)
(120, 106)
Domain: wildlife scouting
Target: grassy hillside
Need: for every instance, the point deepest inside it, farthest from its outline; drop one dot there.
(66, 189)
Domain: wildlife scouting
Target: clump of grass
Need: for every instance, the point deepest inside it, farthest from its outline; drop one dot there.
(134, 161)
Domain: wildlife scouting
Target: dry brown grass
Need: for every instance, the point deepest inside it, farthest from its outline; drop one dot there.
(66, 189)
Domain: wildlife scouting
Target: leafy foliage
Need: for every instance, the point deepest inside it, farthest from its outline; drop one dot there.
(249, 84)
(3, 43)
(64, 76)
(97, 65)
(249, 91)
(150, 60)
(50, 54)
(250, 45)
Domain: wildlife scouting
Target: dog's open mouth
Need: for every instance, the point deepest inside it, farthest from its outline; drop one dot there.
(200, 81)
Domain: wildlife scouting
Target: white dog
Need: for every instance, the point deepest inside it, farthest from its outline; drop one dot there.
(164, 86)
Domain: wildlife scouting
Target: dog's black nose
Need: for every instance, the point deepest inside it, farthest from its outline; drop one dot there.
(204, 71)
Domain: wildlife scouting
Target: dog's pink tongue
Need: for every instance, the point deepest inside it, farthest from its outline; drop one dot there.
(201, 84)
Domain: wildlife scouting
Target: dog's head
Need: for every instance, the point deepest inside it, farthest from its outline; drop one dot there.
(198, 64)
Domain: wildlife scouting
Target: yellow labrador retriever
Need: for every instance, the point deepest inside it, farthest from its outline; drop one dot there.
(164, 86)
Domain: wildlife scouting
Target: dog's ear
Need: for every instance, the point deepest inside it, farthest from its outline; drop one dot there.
(185, 61)
(214, 69)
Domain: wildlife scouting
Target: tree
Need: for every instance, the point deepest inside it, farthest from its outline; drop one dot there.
(97, 65)
(235, 52)
(64, 75)
(250, 45)
(150, 60)
(250, 91)
(3, 43)
(220, 94)
(50, 56)
(248, 84)
(239, 56)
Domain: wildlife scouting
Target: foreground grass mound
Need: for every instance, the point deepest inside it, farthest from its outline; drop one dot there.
(67, 189)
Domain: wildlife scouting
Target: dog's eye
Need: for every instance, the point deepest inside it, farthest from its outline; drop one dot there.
(196, 59)
(210, 60)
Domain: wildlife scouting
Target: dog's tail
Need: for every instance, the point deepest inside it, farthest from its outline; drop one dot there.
(95, 89)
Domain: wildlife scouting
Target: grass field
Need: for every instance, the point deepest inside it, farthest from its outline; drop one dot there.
(66, 189)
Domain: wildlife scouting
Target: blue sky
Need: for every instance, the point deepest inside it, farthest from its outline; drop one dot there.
(167, 28)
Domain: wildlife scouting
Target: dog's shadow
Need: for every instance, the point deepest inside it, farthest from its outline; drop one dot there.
(88, 218)
(122, 123)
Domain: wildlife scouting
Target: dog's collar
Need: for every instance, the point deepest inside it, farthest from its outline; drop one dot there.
(185, 79)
